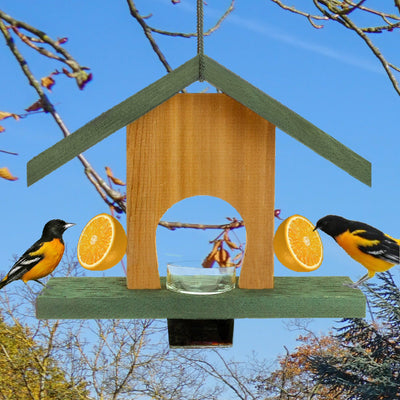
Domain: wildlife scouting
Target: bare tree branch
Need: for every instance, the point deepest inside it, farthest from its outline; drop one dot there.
(211, 30)
(309, 16)
(386, 65)
(147, 32)
(343, 19)
(116, 198)
(176, 225)
(340, 11)
(80, 74)
(397, 4)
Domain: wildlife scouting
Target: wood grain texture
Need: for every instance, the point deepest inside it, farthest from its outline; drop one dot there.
(292, 297)
(200, 144)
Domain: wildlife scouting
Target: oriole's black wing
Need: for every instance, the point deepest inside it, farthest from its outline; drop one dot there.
(382, 246)
(25, 263)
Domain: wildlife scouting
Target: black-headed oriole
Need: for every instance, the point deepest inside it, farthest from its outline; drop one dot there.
(372, 248)
(42, 257)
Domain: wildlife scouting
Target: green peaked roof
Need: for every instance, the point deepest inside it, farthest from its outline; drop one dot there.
(200, 67)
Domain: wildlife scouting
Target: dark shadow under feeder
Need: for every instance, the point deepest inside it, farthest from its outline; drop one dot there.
(197, 333)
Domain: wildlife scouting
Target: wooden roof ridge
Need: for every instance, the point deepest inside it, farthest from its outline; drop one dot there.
(164, 88)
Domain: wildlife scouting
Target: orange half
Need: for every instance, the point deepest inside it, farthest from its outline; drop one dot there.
(102, 243)
(297, 246)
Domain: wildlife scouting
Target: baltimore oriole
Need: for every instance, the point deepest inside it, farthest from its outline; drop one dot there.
(42, 257)
(372, 248)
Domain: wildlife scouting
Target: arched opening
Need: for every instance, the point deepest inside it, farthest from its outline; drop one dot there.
(193, 231)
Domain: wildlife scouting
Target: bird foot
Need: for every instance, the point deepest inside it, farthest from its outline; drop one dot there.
(352, 285)
(361, 281)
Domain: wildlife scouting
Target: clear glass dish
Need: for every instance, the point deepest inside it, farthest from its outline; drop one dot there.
(199, 280)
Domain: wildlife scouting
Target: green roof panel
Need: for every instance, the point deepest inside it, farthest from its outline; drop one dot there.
(232, 85)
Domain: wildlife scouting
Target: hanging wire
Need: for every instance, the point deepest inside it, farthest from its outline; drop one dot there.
(200, 39)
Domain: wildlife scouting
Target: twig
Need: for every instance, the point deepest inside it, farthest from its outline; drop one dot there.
(353, 7)
(386, 65)
(147, 31)
(309, 16)
(49, 108)
(9, 152)
(397, 4)
(339, 13)
(177, 225)
(193, 34)
(79, 73)
(381, 14)
(362, 32)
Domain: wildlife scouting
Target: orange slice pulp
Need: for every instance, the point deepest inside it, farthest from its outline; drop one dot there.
(102, 243)
(297, 246)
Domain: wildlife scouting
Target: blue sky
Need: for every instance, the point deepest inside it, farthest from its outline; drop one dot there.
(328, 76)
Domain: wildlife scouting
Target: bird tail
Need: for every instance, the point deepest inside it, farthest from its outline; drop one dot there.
(4, 282)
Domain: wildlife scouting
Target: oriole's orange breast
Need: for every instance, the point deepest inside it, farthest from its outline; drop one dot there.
(350, 242)
(52, 252)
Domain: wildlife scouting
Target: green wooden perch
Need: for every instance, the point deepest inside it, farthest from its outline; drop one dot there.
(175, 143)
(292, 297)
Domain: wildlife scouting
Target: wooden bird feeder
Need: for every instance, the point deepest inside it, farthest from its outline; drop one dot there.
(175, 145)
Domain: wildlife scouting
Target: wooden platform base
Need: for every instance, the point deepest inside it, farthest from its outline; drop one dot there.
(292, 297)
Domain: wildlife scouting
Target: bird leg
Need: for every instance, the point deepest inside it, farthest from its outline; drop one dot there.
(37, 280)
(355, 285)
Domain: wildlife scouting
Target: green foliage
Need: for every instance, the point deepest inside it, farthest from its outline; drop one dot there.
(368, 365)
(28, 372)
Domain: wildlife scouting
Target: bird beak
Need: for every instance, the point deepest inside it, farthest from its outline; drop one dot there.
(68, 225)
(315, 228)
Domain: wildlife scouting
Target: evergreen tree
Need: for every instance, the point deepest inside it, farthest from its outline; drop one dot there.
(369, 366)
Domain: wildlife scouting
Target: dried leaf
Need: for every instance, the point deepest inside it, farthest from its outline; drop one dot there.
(223, 258)
(5, 114)
(6, 174)
(115, 180)
(228, 241)
(211, 258)
(35, 106)
(208, 262)
(217, 245)
(48, 82)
